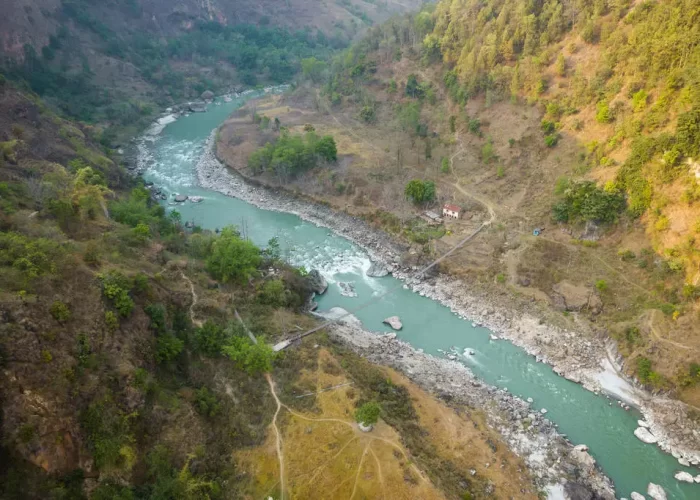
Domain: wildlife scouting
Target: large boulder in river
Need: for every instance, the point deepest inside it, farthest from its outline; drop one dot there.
(393, 322)
(181, 198)
(570, 297)
(645, 436)
(637, 496)
(377, 270)
(207, 95)
(684, 476)
(317, 282)
(197, 107)
(656, 492)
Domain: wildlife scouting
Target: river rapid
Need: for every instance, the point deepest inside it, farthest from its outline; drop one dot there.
(169, 156)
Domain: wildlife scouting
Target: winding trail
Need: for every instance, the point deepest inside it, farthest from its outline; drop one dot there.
(278, 434)
(195, 299)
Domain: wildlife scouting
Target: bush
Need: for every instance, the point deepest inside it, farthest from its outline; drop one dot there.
(253, 358)
(210, 338)
(420, 191)
(445, 165)
(368, 413)
(601, 285)
(206, 402)
(60, 311)
(551, 140)
(111, 321)
(233, 258)
(116, 287)
(168, 347)
(603, 113)
(273, 293)
(109, 438)
(368, 114)
(587, 202)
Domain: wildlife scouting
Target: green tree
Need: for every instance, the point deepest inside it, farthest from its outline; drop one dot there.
(60, 311)
(233, 258)
(420, 191)
(368, 413)
(327, 149)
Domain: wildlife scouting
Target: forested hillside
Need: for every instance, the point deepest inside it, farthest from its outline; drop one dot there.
(118, 63)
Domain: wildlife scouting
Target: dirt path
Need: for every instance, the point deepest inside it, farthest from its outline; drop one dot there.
(278, 435)
(655, 334)
(195, 299)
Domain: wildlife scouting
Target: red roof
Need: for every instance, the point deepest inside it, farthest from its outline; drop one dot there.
(451, 208)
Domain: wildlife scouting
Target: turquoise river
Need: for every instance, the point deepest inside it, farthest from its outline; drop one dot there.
(583, 416)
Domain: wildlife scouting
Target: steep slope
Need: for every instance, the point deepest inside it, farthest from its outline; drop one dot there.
(116, 62)
(578, 119)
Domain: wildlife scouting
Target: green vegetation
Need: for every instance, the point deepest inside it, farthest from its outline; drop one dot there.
(290, 155)
(116, 288)
(60, 311)
(232, 257)
(420, 191)
(368, 413)
(584, 201)
(253, 358)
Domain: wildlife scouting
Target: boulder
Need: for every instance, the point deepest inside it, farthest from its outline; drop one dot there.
(656, 492)
(347, 289)
(365, 428)
(196, 199)
(377, 270)
(317, 282)
(393, 322)
(697, 478)
(207, 95)
(643, 434)
(197, 107)
(180, 198)
(643, 423)
(684, 476)
(636, 496)
(582, 456)
(567, 296)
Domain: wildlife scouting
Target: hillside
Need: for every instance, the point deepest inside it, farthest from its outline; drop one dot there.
(116, 63)
(578, 119)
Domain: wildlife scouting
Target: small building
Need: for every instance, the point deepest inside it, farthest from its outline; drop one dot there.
(431, 216)
(453, 211)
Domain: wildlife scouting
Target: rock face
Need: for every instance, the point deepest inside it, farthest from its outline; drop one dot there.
(393, 322)
(569, 297)
(180, 198)
(207, 95)
(643, 434)
(377, 270)
(317, 282)
(684, 476)
(656, 492)
(581, 455)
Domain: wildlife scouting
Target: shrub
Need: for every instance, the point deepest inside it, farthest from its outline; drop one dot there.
(587, 202)
(109, 438)
(445, 165)
(601, 285)
(548, 127)
(168, 347)
(60, 311)
(626, 255)
(368, 413)
(233, 258)
(368, 114)
(206, 402)
(210, 338)
(420, 191)
(46, 356)
(273, 293)
(487, 153)
(500, 172)
(603, 113)
(111, 321)
(551, 140)
(253, 358)
(92, 254)
(116, 287)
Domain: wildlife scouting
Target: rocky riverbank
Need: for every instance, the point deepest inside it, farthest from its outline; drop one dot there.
(551, 459)
(585, 356)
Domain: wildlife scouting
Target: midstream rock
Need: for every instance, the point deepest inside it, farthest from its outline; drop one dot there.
(645, 436)
(394, 322)
(656, 492)
(377, 270)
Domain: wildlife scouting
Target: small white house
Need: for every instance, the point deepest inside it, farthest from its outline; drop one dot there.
(453, 211)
